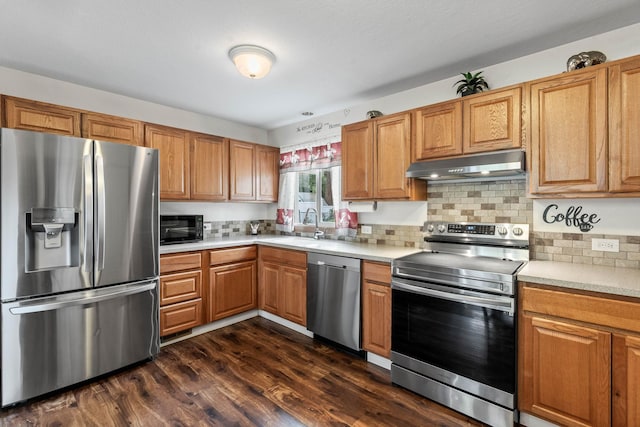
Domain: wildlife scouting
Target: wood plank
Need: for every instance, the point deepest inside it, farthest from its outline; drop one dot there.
(252, 373)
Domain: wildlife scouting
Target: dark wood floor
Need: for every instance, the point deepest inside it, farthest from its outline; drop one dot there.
(254, 373)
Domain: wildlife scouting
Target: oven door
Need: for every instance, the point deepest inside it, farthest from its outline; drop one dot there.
(462, 338)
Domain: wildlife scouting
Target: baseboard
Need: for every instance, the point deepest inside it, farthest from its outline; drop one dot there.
(529, 420)
(383, 362)
(284, 322)
(199, 330)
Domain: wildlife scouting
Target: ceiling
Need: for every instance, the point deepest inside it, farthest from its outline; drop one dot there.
(331, 54)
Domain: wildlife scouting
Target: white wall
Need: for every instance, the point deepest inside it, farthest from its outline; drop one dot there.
(217, 211)
(31, 86)
(616, 44)
(39, 88)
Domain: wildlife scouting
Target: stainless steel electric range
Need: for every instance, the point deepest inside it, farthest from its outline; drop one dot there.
(454, 318)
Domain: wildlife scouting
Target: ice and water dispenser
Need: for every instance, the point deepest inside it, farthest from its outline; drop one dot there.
(52, 239)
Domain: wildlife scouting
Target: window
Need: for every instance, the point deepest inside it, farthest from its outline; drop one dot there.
(313, 196)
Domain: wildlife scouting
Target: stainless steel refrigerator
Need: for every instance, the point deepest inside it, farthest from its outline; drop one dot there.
(79, 260)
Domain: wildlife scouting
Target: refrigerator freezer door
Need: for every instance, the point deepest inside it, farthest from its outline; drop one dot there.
(126, 213)
(46, 182)
(52, 342)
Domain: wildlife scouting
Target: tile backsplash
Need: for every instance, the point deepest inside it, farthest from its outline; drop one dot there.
(576, 248)
(491, 201)
(488, 201)
(238, 228)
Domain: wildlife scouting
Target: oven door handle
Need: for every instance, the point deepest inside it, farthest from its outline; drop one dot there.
(505, 304)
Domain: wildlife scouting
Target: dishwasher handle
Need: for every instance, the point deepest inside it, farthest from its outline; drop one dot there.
(333, 261)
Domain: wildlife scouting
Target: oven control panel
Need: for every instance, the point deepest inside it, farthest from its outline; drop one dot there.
(465, 231)
(489, 230)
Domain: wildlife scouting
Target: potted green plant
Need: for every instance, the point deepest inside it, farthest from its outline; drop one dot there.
(472, 83)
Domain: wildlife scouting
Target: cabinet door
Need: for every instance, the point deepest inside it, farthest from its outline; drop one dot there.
(626, 387)
(566, 372)
(376, 318)
(232, 289)
(242, 173)
(392, 157)
(112, 129)
(40, 117)
(624, 132)
(209, 167)
(293, 294)
(173, 145)
(438, 131)
(492, 121)
(267, 173)
(268, 287)
(569, 133)
(357, 161)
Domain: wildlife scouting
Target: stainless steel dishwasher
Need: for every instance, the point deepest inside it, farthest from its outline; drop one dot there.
(333, 298)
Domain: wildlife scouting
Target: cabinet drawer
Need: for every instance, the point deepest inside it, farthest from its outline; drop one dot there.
(226, 256)
(610, 312)
(376, 272)
(179, 262)
(181, 316)
(284, 256)
(180, 287)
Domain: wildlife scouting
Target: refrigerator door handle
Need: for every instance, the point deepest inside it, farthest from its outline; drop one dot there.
(49, 304)
(87, 250)
(101, 201)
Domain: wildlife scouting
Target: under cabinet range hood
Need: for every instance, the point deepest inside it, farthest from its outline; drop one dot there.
(508, 164)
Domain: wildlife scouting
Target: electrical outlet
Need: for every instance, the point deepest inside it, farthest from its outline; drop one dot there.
(606, 245)
(365, 229)
(206, 226)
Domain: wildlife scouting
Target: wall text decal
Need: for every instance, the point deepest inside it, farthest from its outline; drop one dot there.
(573, 217)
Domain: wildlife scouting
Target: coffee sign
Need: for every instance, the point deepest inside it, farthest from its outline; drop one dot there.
(602, 216)
(573, 216)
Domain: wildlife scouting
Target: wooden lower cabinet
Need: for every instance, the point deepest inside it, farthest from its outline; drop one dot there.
(569, 378)
(626, 381)
(282, 283)
(232, 282)
(180, 317)
(376, 308)
(180, 292)
(579, 357)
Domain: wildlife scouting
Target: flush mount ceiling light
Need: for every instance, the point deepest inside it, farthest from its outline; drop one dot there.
(251, 61)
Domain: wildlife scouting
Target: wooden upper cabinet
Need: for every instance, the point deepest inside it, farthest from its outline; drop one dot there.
(492, 121)
(267, 173)
(40, 117)
(173, 145)
(624, 130)
(392, 156)
(113, 129)
(438, 130)
(569, 133)
(242, 183)
(357, 161)
(375, 157)
(209, 157)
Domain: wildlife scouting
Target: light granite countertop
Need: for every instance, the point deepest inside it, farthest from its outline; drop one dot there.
(382, 253)
(608, 280)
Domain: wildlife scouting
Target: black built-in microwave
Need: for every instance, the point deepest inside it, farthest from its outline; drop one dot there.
(180, 229)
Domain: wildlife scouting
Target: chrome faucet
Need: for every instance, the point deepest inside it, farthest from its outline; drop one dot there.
(317, 233)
